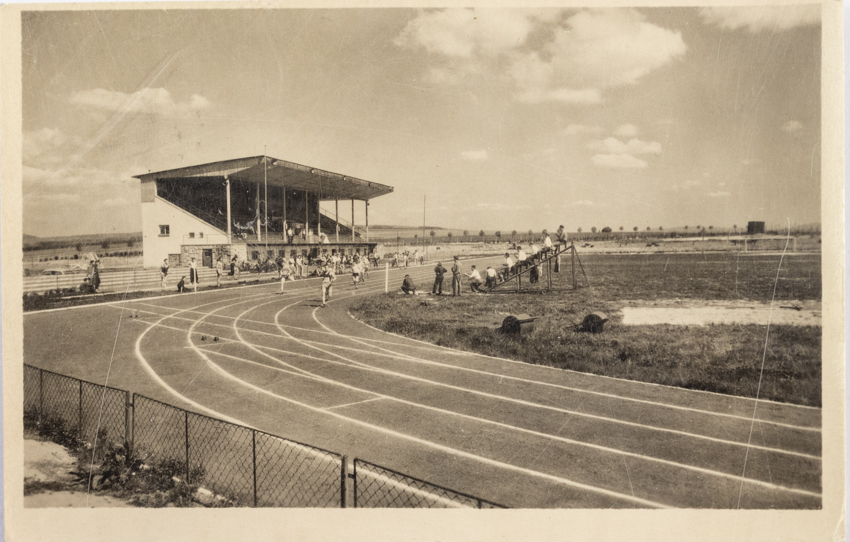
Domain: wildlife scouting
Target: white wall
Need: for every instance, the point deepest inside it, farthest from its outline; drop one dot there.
(181, 223)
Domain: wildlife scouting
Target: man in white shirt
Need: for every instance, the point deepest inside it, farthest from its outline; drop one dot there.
(328, 278)
(474, 280)
(507, 267)
(491, 277)
(547, 243)
(355, 272)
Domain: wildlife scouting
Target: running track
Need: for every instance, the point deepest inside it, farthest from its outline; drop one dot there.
(517, 434)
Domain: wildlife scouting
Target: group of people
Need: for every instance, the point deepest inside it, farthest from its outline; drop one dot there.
(91, 283)
(491, 278)
(406, 258)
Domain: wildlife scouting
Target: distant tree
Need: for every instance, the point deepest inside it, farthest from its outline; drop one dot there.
(606, 229)
(466, 233)
(450, 237)
(432, 235)
(593, 229)
(579, 230)
(635, 228)
(735, 227)
(79, 247)
(416, 237)
(699, 227)
(686, 228)
(513, 233)
(621, 228)
(481, 234)
(648, 228)
(711, 227)
(131, 243)
(498, 235)
(660, 228)
(530, 233)
(104, 244)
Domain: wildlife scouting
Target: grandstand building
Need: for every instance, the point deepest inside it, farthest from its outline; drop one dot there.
(247, 207)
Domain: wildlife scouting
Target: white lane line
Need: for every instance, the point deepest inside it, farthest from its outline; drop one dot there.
(430, 444)
(366, 367)
(171, 390)
(215, 366)
(355, 403)
(591, 376)
(482, 420)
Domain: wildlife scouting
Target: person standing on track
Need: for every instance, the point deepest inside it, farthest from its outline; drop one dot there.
(456, 280)
(193, 275)
(439, 271)
(355, 272)
(328, 278)
(219, 269)
(163, 274)
(284, 274)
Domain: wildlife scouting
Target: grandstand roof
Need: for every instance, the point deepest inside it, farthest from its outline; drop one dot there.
(278, 172)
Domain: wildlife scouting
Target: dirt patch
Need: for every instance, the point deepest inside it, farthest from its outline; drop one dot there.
(694, 313)
(49, 465)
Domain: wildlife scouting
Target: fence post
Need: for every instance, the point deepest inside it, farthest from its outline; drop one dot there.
(186, 421)
(354, 476)
(343, 477)
(80, 414)
(254, 456)
(129, 419)
(40, 393)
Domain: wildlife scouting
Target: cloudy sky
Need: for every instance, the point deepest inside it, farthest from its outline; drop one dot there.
(504, 119)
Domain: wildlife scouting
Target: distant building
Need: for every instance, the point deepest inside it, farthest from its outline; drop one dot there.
(246, 207)
(755, 227)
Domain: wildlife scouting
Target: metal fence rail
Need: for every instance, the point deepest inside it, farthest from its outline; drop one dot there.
(238, 463)
(379, 487)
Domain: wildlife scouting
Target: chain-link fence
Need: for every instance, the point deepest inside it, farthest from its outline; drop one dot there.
(379, 487)
(243, 465)
(85, 409)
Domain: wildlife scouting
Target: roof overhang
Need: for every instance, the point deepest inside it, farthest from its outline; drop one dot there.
(276, 172)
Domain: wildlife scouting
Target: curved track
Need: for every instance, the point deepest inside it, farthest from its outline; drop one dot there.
(509, 432)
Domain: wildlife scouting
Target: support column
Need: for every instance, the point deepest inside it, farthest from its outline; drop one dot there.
(336, 208)
(307, 216)
(352, 220)
(229, 220)
(257, 216)
(367, 221)
(285, 224)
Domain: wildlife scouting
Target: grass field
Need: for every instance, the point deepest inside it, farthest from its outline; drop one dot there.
(718, 358)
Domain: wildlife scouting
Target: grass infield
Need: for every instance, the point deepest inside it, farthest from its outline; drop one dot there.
(718, 358)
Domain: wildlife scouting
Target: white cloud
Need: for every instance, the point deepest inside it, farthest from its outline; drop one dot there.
(792, 126)
(589, 52)
(618, 161)
(762, 18)
(721, 194)
(626, 130)
(597, 49)
(574, 129)
(463, 32)
(612, 145)
(39, 142)
(474, 156)
(153, 101)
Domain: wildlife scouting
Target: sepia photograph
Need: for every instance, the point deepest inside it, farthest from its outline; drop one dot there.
(574, 265)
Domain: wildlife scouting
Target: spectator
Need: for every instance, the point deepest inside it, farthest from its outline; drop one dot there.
(507, 267)
(547, 244)
(456, 280)
(474, 280)
(407, 285)
(439, 271)
(181, 286)
(521, 259)
(193, 275)
(284, 272)
(219, 268)
(561, 236)
(490, 280)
